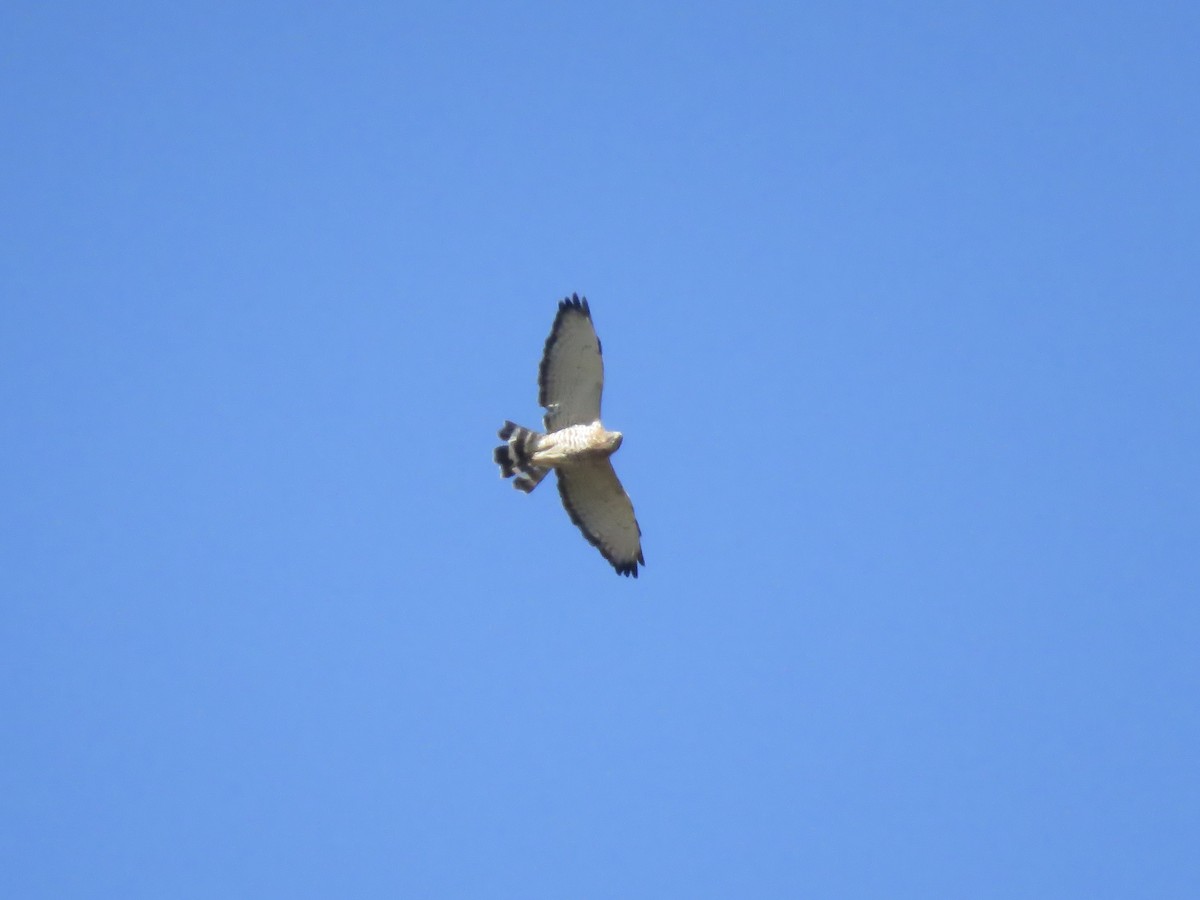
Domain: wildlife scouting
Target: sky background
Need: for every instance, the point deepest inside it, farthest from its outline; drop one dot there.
(901, 312)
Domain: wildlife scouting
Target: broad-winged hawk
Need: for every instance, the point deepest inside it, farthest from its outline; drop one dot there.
(575, 443)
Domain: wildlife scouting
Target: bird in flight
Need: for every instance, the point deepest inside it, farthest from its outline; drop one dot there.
(575, 444)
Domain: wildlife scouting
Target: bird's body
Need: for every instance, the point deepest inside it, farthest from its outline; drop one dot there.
(575, 444)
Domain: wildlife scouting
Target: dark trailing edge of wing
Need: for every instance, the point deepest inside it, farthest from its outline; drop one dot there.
(622, 567)
(573, 303)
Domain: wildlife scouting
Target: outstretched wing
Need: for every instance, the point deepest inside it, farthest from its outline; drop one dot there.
(571, 376)
(598, 504)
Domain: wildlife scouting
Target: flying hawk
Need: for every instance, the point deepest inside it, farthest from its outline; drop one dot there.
(575, 444)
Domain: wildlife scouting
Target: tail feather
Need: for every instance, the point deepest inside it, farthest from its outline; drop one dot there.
(513, 457)
(530, 478)
(504, 459)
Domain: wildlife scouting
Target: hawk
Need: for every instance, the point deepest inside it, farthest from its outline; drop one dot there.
(575, 445)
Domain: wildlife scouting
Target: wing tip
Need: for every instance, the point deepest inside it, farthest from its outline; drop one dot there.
(627, 569)
(576, 303)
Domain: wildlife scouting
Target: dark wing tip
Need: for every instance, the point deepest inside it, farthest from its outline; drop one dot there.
(577, 303)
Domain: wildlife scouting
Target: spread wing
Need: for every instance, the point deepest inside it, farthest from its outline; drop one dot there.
(598, 504)
(571, 376)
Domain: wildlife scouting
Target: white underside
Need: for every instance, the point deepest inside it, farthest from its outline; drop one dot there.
(560, 448)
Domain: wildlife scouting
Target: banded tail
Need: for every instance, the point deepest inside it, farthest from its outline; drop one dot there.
(513, 457)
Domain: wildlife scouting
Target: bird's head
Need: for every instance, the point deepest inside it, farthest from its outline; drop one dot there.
(614, 440)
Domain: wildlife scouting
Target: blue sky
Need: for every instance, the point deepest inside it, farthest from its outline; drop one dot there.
(900, 311)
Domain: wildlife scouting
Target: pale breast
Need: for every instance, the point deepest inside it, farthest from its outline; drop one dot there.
(560, 447)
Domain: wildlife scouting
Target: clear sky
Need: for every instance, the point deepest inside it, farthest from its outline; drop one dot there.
(901, 312)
